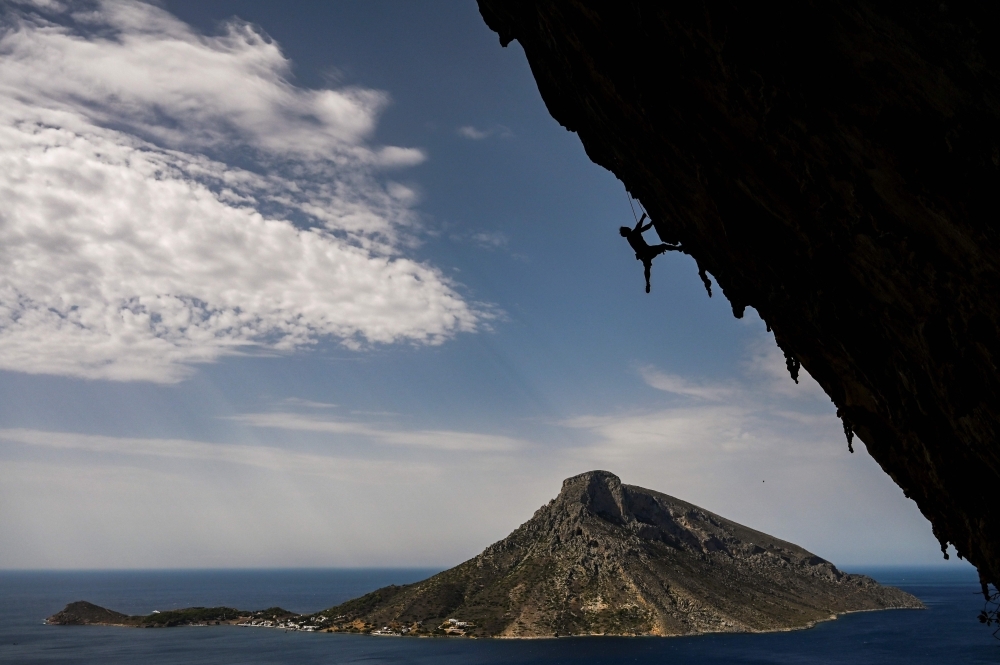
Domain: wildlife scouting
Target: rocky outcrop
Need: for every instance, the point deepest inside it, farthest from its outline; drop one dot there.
(836, 166)
(613, 559)
(82, 613)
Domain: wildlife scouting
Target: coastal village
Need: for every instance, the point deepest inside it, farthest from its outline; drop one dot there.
(309, 624)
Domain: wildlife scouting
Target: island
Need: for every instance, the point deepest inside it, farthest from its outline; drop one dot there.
(602, 558)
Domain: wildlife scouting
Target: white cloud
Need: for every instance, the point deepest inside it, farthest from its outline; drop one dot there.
(678, 385)
(470, 132)
(154, 75)
(314, 489)
(765, 377)
(309, 404)
(447, 440)
(415, 498)
(765, 367)
(130, 249)
(335, 491)
(490, 239)
(697, 430)
(269, 458)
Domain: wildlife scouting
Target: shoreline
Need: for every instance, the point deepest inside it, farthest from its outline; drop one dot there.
(379, 632)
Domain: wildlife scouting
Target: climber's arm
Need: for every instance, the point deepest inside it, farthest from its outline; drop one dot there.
(638, 225)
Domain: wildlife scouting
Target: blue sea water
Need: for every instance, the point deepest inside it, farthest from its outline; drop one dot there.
(947, 632)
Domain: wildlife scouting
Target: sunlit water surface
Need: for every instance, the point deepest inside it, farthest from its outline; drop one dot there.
(947, 632)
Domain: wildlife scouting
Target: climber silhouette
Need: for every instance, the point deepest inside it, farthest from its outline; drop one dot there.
(644, 252)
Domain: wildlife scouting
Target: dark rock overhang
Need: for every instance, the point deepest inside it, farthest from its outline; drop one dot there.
(835, 166)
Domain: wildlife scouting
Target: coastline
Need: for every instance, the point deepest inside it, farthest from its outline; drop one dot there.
(241, 621)
(947, 633)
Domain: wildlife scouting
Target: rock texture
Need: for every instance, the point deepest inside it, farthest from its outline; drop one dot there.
(608, 558)
(836, 166)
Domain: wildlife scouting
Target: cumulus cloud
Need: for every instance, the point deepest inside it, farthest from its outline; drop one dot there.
(132, 246)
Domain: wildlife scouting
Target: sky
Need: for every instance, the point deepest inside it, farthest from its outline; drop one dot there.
(323, 284)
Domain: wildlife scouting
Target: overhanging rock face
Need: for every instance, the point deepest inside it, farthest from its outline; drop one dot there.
(835, 166)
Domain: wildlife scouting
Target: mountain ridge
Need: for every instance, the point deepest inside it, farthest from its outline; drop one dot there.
(601, 558)
(608, 558)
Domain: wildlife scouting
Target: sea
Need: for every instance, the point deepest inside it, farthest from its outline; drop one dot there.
(946, 632)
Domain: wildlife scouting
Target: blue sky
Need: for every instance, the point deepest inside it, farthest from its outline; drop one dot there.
(323, 284)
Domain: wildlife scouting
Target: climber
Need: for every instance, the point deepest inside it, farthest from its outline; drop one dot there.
(644, 252)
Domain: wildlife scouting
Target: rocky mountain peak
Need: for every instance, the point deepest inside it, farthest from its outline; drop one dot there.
(596, 505)
(602, 558)
(599, 492)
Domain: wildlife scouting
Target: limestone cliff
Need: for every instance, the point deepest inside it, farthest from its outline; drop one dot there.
(608, 558)
(836, 166)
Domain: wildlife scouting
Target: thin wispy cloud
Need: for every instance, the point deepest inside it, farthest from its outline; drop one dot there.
(349, 492)
(703, 430)
(269, 458)
(709, 434)
(765, 366)
(446, 440)
(678, 385)
(470, 132)
(474, 134)
(131, 249)
(491, 239)
(765, 378)
(308, 404)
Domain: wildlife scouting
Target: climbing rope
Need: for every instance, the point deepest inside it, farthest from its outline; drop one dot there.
(641, 207)
(629, 197)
